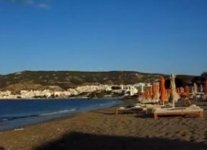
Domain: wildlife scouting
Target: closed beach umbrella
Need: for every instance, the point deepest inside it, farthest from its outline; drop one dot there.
(163, 92)
(201, 88)
(178, 91)
(205, 88)
(174, 94)
(146, 94)
(151, 92)
(155, 91)
(181, 90)
(195, 88)
(187, 91)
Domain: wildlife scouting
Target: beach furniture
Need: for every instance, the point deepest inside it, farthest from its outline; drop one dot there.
(186, 91)
(163, 91)
(133, 109)
(175, 111)
(150, 101)
(155, 91)
(174, 95)
(205, 89)
(148, 108)
(192, 110)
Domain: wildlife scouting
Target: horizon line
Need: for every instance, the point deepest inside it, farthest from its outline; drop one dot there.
(65, 70)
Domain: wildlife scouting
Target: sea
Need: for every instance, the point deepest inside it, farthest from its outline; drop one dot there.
(16, 114)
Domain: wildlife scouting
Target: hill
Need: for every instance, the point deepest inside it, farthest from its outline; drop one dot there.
(28, 80)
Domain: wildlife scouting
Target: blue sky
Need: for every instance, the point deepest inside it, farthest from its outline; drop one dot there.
(165, 36)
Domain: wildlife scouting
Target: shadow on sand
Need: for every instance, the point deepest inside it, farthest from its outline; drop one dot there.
(80, 141)
(1, 148)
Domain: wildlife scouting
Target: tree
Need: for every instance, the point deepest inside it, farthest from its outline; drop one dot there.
(204, 75)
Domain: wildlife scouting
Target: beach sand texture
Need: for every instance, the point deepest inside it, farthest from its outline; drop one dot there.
(103, 130)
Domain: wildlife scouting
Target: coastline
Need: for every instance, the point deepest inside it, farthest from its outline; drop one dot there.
(65, 98)
(102, 129)
(41, 111)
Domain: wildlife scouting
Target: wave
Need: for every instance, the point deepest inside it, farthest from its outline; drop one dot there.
(9, 118)
(58, 112)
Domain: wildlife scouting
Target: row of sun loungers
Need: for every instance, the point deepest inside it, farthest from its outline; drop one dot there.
(159, 111)
(137, 108)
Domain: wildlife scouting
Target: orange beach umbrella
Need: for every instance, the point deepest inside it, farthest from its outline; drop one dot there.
(151, 92)
(155, 90)
(163, 96)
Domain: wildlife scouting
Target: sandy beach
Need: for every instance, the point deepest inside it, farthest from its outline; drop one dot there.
(102, 129)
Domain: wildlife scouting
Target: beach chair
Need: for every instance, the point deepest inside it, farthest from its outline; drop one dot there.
(178, 111)
(132, 109)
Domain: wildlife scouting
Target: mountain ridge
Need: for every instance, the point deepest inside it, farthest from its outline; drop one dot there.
(35, 80)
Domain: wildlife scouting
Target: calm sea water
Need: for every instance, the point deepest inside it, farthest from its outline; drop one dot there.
(19, 113)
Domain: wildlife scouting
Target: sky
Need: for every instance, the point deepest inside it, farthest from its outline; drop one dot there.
(155, 36)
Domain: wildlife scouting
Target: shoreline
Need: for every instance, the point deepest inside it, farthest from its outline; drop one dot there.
(62, 98)
(38, 118)
(102, 129)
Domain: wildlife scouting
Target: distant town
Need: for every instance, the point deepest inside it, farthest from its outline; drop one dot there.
(74, 84)
(87, 91)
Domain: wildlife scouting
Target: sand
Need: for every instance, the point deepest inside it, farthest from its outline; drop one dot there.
(103, 130)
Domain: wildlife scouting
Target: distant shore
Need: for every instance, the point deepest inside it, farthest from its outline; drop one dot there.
(102, 129)
(69, 98)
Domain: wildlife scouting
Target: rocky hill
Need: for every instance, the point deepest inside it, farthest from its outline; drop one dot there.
(28, 80)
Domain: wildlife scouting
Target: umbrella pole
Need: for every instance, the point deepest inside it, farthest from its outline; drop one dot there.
(173, 90)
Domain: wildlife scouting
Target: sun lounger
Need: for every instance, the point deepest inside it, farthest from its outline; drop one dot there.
(178, 111)
(151, 101)
(148, 108)
(128, 109)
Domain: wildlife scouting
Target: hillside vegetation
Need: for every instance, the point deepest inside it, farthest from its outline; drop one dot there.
(28, 80)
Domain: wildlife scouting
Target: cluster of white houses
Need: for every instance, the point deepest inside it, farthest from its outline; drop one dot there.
(72, 92)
